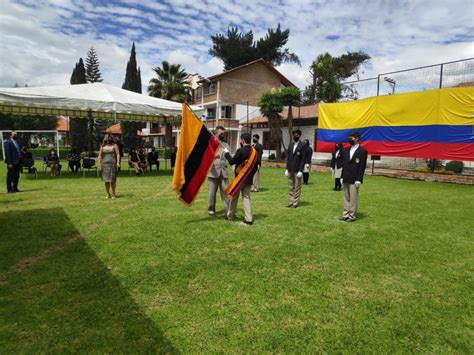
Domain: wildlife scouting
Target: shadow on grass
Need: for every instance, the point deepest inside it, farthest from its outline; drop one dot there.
(57, 296)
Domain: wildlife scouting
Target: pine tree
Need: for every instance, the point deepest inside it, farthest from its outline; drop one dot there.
(139, 85)
(132, 75)
(78, 75)
(92, 74)
(133, 82)
(73, 79)
(81, 72)
(78, 133)
(92, 67)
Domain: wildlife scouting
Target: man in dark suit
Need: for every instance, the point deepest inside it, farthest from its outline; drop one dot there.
(294, 169)
(12, 159)
(354, 161)
(259, 148)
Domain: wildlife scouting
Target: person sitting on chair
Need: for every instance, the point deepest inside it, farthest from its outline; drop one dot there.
(53, 161)
(142, 159)
(26, 160)
(134, 161)
(153, 159)
(74, 160)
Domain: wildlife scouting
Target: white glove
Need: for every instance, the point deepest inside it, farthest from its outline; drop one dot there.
(306, 166)
(341, 181)
(357, 183)
(225, 150)
(299, 175)
(286, 173)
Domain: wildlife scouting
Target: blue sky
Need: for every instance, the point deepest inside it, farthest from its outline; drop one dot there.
(40, 40)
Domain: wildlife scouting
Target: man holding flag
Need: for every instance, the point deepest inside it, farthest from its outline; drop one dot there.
(246, 163)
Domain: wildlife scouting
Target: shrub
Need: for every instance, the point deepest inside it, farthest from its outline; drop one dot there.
(455, 166)
(434, 164)
(283, 155)
(271, 156)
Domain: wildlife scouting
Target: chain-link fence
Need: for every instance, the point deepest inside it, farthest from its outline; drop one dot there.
(444, 75)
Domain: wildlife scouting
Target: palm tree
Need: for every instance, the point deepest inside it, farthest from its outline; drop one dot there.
(271, 105)
(290, 97)
(170, 84)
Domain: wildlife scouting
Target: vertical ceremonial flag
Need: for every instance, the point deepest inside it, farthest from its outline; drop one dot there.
(196, 151)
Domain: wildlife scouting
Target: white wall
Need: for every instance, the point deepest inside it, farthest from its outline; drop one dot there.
(307, 132)
(241, 112)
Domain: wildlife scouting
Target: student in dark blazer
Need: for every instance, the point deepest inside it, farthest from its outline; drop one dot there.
(12, 159)
(294, 169)
(241, 156)
(308, 160)
(259, 148)
(354, 162)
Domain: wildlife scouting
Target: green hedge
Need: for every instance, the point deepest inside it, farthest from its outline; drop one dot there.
(39, 153)
(455, 166)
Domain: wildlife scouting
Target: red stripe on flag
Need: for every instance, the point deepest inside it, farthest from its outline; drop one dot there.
(425, 150)
(196, 182)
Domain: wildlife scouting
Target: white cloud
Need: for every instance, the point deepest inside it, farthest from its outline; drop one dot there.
(43, 47)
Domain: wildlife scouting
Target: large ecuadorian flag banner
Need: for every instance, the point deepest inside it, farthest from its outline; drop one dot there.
(435, 124)
(196, 151)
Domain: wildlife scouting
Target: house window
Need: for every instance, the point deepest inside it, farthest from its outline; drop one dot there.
(199, 93)
(211, 113)
(226, 112)
(267, 141)
(211, 88)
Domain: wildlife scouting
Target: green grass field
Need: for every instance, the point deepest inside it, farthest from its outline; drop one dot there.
(144, 273)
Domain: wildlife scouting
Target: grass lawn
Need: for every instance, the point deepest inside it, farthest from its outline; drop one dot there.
(144, 273)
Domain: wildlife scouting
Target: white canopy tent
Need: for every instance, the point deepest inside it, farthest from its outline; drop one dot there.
(95, 100)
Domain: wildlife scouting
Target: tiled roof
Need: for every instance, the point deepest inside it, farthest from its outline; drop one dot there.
(114, 129)
(283, 79)
(62, 125)
(303, 112)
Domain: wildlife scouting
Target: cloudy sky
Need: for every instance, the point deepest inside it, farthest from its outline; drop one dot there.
(41, 40)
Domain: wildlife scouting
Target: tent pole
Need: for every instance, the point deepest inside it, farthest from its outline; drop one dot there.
(57, 143)
(3, 147)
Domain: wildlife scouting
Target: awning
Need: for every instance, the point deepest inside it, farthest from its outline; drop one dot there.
(95, 100)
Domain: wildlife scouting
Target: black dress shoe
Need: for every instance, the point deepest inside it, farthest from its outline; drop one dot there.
(249, 223)
(290, 206)
(16, 190)
(342, 219)
(294, 206)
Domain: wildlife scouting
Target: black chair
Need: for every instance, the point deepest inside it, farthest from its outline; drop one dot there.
(47, 165)
(69, 167)
(89, 164)
(29, 164)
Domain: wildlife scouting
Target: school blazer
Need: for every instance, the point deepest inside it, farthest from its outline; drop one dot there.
(296, 160)
(353, 169)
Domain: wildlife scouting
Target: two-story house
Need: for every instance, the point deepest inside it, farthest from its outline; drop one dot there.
(231, 97)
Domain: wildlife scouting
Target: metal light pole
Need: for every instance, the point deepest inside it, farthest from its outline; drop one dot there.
(392, 83)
